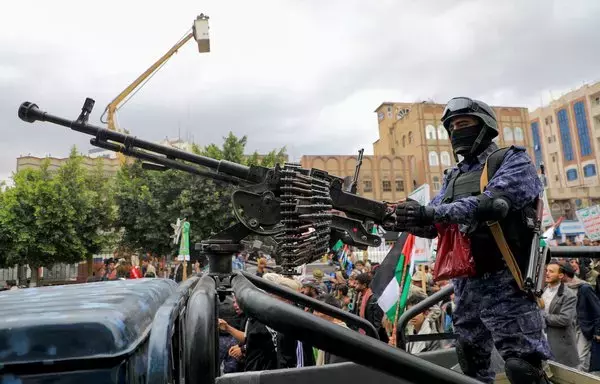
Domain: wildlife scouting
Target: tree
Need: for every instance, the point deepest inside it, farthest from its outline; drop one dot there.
(233, 150)
(90, 195)
(149, 201)
(50, 218)
(38, 221)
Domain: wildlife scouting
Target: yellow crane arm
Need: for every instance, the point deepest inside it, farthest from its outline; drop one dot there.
(111, 109)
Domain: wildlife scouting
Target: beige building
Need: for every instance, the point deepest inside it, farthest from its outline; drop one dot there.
(566, 135)
(381, 177)
(413, 131)
(109, 165)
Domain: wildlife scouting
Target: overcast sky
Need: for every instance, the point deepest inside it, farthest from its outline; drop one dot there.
(306, 74)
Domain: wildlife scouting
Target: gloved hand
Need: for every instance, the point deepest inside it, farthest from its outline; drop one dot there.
(411, 214)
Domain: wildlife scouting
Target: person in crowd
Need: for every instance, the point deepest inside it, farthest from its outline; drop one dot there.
(111, 270)
(324, 357)
(559, 316)
(256, 344)
(341, 294)
(233, 316)
(177, 270)
(352, 294)
(291, 353)
(367, 307)
(421, 324)
(341, 277)
(148, 270)
(310, 287)
(320, 279)
(261, 267)
(359, 266)
(587, 320)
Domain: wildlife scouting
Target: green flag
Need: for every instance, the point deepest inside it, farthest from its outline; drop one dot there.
(184, 246)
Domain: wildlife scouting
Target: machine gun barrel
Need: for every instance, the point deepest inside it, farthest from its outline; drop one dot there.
(30, 113)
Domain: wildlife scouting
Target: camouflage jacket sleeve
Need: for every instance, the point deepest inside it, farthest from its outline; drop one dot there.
(516, 179)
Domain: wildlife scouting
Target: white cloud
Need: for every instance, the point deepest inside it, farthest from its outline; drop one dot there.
(305, 74)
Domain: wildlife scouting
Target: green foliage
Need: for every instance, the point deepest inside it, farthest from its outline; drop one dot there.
(48, 218)
(65, 216)
(233, 150)
(149, 201)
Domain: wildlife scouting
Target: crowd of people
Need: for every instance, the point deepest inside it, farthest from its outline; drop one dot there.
(149, 266)
(571, 313)
(248, 345)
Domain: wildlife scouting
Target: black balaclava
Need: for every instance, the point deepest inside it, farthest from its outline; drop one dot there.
(463, 140)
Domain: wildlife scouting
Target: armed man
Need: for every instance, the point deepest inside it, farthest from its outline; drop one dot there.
(491, 309)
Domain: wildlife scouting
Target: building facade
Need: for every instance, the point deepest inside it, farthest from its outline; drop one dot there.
(566, 136)
(381, 177)
(414, 132)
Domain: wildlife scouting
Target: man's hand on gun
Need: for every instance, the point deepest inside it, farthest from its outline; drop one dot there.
(412, 217)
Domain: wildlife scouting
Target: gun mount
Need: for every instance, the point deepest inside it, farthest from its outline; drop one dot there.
(294, 205)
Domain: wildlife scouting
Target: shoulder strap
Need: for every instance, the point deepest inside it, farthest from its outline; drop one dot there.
(492, 164)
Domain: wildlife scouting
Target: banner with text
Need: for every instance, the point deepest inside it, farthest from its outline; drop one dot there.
(590, 218)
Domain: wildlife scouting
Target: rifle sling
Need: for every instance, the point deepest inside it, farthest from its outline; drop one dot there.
(498, 234)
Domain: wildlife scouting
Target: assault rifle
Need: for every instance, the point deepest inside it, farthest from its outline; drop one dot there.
(534, 279)
(292, 204)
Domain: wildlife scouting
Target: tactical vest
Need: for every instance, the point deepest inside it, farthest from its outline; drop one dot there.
(517, 227)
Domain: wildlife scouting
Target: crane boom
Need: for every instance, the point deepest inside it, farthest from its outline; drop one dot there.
(111, 109)
(199, 33)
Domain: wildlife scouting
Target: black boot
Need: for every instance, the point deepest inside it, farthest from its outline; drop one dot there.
(520, 371)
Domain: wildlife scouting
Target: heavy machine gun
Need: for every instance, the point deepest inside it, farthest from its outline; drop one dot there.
(154, 331)
(290, 203)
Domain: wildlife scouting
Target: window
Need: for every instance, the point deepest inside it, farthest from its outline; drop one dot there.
(399, 185)
(442, 133)
(589, 170)
(548, 120)
(565, 135)
(387, 186)
(434, 160)
(518, 134)
(445, 158)
(403, 141)
(430, 132)
(410, 137)
(389, 111)
(571, 173)
(537, 144)
(367, 186)
(583, 132)
(436, 183)
(508, 134)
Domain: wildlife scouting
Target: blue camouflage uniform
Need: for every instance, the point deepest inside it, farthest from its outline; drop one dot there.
(490, 309)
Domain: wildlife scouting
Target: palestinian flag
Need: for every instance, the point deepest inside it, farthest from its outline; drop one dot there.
(395, 272)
